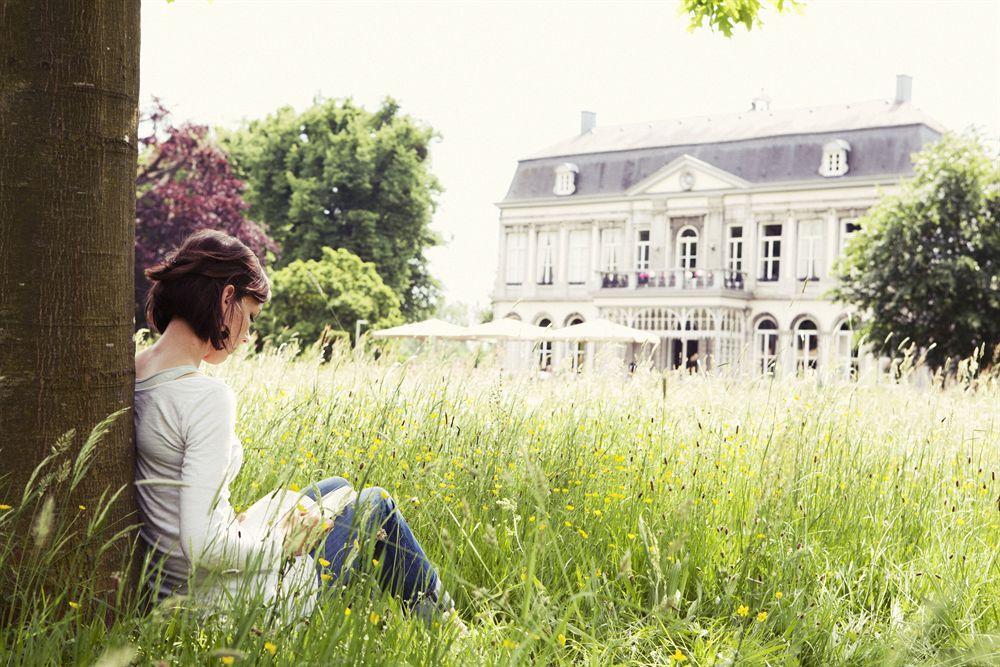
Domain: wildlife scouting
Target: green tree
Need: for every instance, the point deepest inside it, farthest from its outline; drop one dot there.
(334, 291)
(724, 15)
(337, 175)
(926, 264)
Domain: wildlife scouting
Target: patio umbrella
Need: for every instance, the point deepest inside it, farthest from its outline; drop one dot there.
(507, 328)
(432, 328)
(600, 330)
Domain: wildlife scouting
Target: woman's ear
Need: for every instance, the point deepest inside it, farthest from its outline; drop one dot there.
(227, 293)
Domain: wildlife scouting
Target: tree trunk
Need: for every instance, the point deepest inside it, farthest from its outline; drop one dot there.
(69, 87)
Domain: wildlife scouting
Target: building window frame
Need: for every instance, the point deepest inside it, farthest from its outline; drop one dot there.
(770, 251)
(517, 254)
(643, 248)
(735, 259)
(579, 256)
(810, 241)
(687, 247)
(765, 345)
(806, 345)
(546, 252)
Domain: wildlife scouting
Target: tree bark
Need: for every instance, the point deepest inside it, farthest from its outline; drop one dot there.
(69, 87)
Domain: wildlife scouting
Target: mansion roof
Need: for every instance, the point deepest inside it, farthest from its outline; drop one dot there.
(759, 147)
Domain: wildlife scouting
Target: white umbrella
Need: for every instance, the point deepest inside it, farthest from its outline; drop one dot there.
(603, 331)
(508, 328)
(432, 328)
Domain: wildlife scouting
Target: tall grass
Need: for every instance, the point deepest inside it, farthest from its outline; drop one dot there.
(603, 519)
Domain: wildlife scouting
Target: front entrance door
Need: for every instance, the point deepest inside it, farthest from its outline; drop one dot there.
(683, 353)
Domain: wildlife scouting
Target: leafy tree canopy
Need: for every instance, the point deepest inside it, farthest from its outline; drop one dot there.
(185, 183)
(926, 263)
(339, 176)
(334, 291)
(724, 15)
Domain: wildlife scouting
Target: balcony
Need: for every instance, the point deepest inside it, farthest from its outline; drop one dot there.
(674, 279)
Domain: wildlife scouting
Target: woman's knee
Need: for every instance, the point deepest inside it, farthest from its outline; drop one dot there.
(325, 486)
(377, 498)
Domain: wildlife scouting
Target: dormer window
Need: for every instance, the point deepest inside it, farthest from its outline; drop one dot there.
(834, 158)
(565, 179)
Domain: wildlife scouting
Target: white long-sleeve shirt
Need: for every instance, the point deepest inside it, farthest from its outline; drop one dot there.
(187, 454)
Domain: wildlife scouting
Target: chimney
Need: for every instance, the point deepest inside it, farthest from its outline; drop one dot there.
(588, 121)
(904, 85)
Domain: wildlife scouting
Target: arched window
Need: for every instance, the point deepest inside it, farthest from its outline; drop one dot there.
(765, 345)
(806, 346)
(544, 358)
(846, 349)
(834, 158)
(565, 179)
(577, 349)
(687, 248)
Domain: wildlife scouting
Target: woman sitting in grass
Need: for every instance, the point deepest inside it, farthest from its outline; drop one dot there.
(203, 298)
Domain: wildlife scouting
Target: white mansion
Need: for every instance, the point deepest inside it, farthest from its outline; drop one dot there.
(716, 233)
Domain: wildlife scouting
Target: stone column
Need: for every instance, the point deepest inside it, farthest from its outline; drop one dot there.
(532, 260)
(750, 250)
(562, 255)
(501, 283)
(789, 238)
(831, 241)
(595, 254)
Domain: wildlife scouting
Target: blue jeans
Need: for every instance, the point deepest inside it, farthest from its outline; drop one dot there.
(403, 568)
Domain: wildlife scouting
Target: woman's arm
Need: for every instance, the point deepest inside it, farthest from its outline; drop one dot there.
(210, 534)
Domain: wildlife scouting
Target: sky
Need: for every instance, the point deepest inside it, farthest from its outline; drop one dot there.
(502, 80)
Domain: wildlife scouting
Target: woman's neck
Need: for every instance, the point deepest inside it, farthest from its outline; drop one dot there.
(177, 346)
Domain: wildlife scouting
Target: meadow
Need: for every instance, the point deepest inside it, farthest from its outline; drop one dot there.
(603, 518)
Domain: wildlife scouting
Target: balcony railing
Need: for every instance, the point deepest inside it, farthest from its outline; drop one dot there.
(678, 279)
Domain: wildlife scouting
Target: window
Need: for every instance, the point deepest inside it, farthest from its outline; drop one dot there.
(765, 345)
(579, 247)
(770, 252)
(806, 346)
(546, 257)
(544, 358)
(687, 248)
(734, 249)
(565, 179)
(611, 249)
(848, 228)
(834, 158)
(517, 249)
(810, 238)
(846, 349)
(642, 250)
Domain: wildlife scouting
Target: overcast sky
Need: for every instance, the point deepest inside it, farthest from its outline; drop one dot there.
(500, 81)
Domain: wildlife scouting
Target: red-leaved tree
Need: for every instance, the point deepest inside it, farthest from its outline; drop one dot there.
(185, 183)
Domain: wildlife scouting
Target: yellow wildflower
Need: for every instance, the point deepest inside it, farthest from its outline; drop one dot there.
(678, 656)
(74, 605)
(374, 618)
(743, 610)
(347, 611)
(5, 507)
(227, 659)
(270, 647)
(326, 577)
(324, 562)
(761, 617)
(562, 639)
(778, 595)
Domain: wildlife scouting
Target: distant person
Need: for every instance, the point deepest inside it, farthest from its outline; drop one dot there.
(692, 363)
(203, 298)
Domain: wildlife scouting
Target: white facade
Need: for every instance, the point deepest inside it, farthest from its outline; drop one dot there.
(734, 270)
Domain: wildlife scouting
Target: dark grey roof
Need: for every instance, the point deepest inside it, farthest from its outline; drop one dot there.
(875, 151)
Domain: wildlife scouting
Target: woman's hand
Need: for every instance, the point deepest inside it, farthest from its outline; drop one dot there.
(303, 529)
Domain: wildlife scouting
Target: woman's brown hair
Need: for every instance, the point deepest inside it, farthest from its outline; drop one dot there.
(189, 282)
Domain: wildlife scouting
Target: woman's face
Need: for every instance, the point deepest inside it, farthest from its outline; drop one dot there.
(238, 321)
